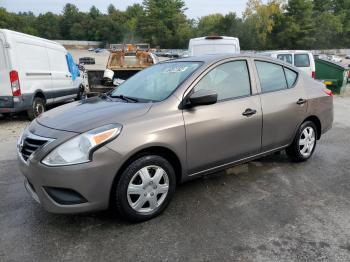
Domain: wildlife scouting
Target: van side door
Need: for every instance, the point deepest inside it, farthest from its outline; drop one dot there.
(62, 83)
(33, 69)
(225, 132)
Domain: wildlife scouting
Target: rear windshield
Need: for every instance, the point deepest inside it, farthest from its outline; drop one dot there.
(157, 82)
(301, 60)
(212, 49)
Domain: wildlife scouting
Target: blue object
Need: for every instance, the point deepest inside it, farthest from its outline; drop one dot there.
(73, 69)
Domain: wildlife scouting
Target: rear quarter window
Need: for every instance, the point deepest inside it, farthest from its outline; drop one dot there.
(291, 77)
(301, 60)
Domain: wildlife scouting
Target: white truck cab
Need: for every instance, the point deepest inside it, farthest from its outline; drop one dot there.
(34, 72)
(304, 60)
(210, 45)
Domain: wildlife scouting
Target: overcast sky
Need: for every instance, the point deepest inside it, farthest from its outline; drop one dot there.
(196, 8)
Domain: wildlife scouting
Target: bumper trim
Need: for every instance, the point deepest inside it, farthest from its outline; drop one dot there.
(31, 191)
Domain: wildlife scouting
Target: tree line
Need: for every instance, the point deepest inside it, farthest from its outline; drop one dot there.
(277, 24)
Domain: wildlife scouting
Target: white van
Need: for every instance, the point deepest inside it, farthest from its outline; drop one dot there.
(210, 45)
(304, 60)
(34, 72)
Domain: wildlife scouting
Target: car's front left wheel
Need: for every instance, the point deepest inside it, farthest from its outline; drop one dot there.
(145, 188)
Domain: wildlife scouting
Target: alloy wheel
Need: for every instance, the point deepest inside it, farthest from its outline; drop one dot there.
(307, 141)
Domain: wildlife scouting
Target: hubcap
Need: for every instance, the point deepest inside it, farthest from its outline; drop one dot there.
(148, 189)
(307, 141)
(39, 109)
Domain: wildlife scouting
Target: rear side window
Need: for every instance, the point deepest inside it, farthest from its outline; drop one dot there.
(271, 76)
(301, 60)
(229, 80)
(291, 77)
(286, 58)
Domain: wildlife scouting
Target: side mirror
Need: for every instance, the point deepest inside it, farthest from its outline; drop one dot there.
(203, 97)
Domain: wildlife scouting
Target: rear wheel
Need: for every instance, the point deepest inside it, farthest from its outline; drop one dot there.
(304, 143)
(38, 107)
(145, 188)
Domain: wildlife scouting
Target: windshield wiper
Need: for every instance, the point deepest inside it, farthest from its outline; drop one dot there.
(125, 98)
(104, 96)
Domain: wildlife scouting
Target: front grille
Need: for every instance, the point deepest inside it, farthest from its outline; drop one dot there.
(31, 144)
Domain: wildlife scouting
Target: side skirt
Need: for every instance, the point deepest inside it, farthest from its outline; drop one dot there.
(232, 164)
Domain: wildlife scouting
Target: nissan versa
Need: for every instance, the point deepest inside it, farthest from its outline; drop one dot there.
(174, 121)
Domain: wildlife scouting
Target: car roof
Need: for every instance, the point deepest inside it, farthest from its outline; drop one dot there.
(211, 59)
(286, 52)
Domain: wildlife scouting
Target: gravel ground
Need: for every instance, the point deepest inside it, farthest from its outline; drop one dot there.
(11, 127)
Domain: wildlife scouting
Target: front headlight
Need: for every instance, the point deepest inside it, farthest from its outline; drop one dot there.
(79, 149)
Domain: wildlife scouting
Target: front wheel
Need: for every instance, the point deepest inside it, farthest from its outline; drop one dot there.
(145, 188)
(38, 107)
(304, 143)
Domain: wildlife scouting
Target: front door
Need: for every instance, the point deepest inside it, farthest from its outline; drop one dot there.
(229, 130)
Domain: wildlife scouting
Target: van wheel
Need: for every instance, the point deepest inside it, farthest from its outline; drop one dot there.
(38, 107)
(304, 143)
(145, 188)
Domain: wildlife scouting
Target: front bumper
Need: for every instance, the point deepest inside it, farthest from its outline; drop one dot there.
(91, 181)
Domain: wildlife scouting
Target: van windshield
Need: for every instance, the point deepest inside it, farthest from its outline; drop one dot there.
(157, 82)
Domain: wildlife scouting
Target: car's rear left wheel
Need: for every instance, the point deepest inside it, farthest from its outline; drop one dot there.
(304, 143)
(145, 188)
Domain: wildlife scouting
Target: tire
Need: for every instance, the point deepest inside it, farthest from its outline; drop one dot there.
(38, 107)
(150, 198)
(299, 152)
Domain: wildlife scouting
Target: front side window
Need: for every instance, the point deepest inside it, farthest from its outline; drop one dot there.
(301, 60)
(286, 58)
(229, 80)
(271, 76)
(157, 82)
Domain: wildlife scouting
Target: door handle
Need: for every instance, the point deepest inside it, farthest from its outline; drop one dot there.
(301, 101)
(249, 112)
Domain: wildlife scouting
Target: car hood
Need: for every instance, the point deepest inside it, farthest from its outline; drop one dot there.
(91, 113)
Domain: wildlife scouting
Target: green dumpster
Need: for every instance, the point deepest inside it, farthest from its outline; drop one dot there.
(334, 75)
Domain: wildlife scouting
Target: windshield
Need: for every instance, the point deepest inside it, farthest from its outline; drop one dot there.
(157, 82)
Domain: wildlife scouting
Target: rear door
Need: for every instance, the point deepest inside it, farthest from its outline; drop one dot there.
(283, 103)
(220, 133)
(5, 86)
(62, 83)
